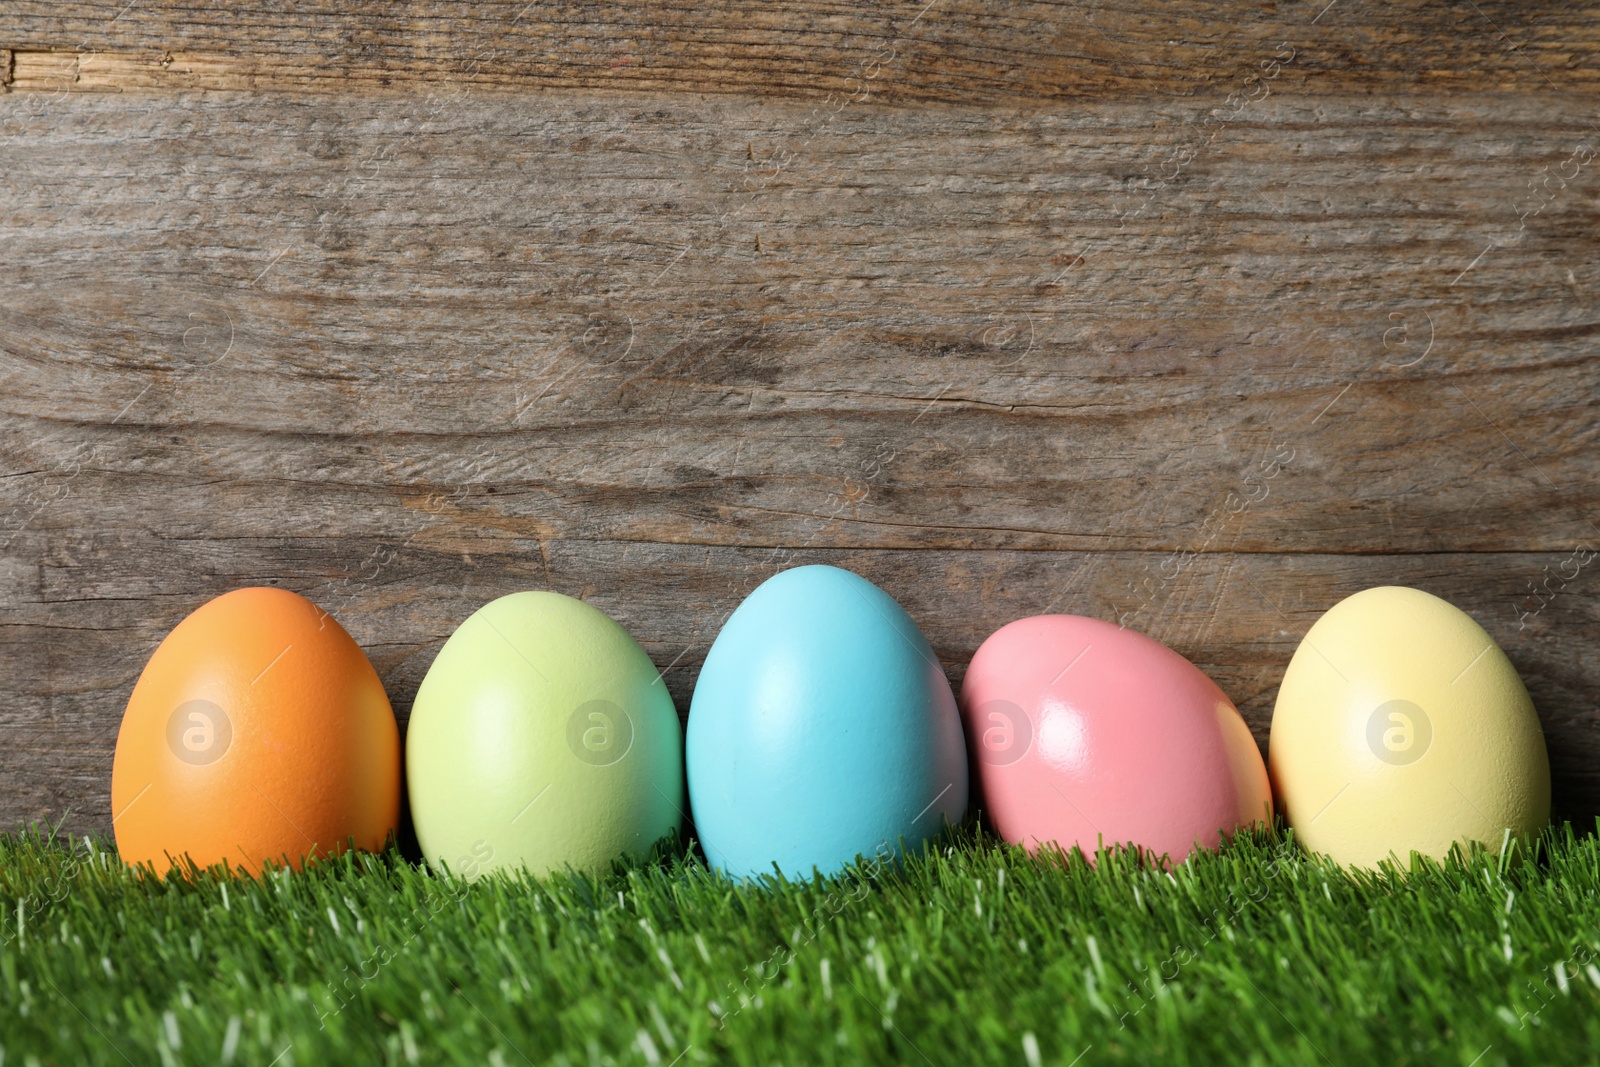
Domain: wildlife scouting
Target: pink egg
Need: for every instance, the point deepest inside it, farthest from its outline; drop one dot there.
(1083, 732)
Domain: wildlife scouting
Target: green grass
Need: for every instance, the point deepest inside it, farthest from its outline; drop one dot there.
(975, 953)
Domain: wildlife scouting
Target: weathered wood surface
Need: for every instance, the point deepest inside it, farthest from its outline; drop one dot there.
(404, 335)
(951, 51)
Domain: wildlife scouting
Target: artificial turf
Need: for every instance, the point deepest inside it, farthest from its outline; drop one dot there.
(971, 953)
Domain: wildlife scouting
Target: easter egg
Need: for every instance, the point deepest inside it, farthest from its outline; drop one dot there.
(258, 731)
(542, 738)
(822, 728)
(1402, 727)
(1088, 734)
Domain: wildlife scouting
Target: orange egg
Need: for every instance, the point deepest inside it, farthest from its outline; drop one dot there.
(258, 731)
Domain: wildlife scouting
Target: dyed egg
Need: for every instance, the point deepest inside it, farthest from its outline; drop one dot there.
(258, 731)
(1087, 733)
(542, 738)
(1401, 727)
(822, 728)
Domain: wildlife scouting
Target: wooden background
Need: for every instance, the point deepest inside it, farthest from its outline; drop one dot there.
(1196, 316)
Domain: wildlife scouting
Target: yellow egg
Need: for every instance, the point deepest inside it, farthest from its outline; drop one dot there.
(1402, 727)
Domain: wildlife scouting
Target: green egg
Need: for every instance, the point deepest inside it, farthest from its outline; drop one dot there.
(542, 738)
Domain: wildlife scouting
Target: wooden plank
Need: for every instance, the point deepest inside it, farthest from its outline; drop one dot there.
(953, 333)
(649, 349)
(962, 51)
(79, 622)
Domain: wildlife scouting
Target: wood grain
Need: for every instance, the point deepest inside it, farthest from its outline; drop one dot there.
(648, 335)
(79, 624)
(952, 51)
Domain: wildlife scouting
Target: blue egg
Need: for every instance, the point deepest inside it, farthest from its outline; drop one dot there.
(822, 728)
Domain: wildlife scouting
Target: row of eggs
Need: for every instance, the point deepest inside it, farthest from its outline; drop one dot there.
(822, 729)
